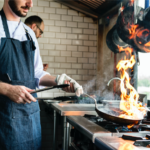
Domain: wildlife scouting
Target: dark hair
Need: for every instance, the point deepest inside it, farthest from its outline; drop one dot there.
(33, 19)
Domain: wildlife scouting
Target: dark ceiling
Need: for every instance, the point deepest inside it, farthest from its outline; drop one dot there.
(93, 8)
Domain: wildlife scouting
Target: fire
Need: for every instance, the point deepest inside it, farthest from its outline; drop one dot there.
(129, 96)
(126, 146)
(132, 29)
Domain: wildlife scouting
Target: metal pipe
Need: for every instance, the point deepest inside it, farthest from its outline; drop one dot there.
(54, 133)
(67, 136)
(65, 126)
(113, 79)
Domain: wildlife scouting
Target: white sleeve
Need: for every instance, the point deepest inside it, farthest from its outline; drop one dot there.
(38, 65)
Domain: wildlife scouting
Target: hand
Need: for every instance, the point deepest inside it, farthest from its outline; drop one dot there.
(20, 94)
(70, 88)
(77, 88)
(45, 67)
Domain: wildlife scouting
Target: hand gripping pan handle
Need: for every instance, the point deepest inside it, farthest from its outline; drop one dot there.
(52, 87)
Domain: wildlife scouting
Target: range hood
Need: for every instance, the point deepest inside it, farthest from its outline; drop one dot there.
(93, 8)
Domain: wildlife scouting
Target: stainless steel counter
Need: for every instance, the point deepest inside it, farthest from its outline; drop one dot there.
(74, 109)
(88, 128)
(115, 143)
(66, 109)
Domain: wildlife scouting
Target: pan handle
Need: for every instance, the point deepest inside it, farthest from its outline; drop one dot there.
(91, 98)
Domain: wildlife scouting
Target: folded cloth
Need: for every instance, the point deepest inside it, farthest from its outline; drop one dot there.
(61, 79)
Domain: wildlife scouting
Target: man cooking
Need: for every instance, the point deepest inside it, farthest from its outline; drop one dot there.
(21, 71)
(37, 25)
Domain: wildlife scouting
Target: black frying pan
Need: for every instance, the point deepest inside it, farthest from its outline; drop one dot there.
(111, 114)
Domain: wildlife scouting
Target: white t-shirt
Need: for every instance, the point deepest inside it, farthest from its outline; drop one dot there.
(17, 31)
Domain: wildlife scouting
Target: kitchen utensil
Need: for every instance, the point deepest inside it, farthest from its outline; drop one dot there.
(112, 113)
(52, 87)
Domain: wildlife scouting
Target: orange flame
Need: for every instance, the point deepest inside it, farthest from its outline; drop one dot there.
(132, 30)
(126, 146)
(129, 96)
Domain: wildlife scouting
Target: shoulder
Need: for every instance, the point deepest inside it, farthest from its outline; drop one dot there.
(30, 31)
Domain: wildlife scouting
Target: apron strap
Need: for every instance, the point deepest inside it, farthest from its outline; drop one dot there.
(4, 21)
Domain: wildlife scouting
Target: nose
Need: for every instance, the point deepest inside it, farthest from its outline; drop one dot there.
(29, 3)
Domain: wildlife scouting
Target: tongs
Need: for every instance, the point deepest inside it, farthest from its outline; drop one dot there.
(49, 88)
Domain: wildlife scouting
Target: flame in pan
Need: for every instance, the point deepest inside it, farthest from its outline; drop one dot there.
(129, 96)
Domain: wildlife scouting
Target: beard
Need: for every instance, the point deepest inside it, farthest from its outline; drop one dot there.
(14, 7)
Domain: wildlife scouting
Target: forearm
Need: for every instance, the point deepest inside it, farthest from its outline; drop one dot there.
(47, 80)
(4, 87)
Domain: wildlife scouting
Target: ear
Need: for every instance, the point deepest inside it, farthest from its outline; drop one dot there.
(33, 26)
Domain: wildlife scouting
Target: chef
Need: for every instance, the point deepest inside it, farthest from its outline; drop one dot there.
(21, 71)
(37, 25)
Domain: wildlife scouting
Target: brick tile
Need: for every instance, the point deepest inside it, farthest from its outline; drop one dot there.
(65, 7)
(54, 53)
(87, 77)
(49, 34)
(43, 15)
(60, 23)
(88, 66)
(92, 49)
(49, 22)
(95, 32)
(61, 11)
(65, 53)
(55, 41)
(41, 46)
(77, 66)
(60, 59)
(88, 31)
(82, 15)
(65, 30)
(55, 4)
(43, 40)
(93, 37)
(54, 17)
(76, 54)
(49, 46)
(83, 25)
(92, 72)
(82, 60)
(67, 42)
(54, 29)
(43, 3)
(95, 43)
(83, 48)
(77, 42)
(71, 71)
(61, 35)
(72, 36)
(60, 47)
(46, 28)
(54, 65)
(72, 12)
(88, 54)
(82, 72)
(71, 24)
(76, 30)
(47, 58)
(83, 37)
(66, 18)
(44, 52)
(93, 26)
(72, 48)
(37, 9)
(49, 10)
(77, 77)
(86, 19)
(65, 65)
(92, 60)
(71, 59)
(60, 71)
(88, 43)
(78, 19)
